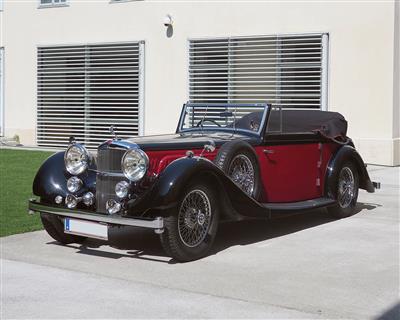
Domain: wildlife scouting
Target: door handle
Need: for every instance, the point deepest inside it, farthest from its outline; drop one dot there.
(268, 151)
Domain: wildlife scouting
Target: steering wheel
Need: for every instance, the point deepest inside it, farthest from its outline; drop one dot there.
(200, 123)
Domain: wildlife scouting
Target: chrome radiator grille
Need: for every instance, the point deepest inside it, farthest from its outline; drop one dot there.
(108, 160)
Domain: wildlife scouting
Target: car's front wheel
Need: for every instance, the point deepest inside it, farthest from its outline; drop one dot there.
(347, 192)
(55, 228)
(190, 232)
(239, 161)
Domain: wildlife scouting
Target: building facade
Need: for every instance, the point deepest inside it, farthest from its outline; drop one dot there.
(71, 67)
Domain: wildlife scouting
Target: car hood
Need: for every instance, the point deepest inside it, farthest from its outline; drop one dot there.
(179, 141)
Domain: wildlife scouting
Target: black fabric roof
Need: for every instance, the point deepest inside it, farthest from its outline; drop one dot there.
(331, 125)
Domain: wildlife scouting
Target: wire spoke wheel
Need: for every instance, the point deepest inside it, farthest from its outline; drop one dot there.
(241, 172)
(346, 188)
(194, 218)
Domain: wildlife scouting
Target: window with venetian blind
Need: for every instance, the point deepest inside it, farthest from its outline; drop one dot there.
(287, 71)
(82, 90)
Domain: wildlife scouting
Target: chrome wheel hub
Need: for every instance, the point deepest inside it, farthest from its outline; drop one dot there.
(346, 190)
(194, 218)
(241, 172)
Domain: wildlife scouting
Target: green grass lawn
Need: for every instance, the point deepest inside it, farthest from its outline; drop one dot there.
(17, 170)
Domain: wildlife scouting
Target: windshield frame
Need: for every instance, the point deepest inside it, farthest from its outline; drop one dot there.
(233, 130)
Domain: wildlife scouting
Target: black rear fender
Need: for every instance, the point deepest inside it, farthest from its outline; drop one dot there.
(346, 154)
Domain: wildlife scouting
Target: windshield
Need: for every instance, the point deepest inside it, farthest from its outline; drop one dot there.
(225, 117)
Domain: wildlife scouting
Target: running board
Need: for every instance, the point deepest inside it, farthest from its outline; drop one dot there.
(301, 205)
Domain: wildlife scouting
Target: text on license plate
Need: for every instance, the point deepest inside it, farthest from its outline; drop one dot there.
(86, 228)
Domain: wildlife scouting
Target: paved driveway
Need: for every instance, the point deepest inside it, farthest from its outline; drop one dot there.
(305, 266)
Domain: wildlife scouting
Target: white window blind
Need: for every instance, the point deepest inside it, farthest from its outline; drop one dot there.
(82, 90)
(283, 70)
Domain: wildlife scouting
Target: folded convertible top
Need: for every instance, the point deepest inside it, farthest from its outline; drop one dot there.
(331, 125)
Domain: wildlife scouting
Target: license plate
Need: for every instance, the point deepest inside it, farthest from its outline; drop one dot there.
(86, 228)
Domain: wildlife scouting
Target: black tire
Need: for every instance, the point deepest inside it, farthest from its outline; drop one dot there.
(55, 228)
(229, 151)
(174, 239)
(343, 208)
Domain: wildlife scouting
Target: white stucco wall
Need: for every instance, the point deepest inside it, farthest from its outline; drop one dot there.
(361, 58)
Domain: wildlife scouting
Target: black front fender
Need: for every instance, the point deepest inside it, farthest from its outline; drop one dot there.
(346, 154)
(51, 179)
(169, 187)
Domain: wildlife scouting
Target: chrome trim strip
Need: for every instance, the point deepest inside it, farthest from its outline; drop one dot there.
(35, 206)
(109, 174)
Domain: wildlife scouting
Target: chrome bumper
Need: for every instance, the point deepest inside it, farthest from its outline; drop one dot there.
(157, 224)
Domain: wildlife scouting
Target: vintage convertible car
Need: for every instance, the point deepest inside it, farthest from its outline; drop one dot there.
(225, 162)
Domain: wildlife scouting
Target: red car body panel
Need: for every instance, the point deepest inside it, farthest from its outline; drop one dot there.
(159, 160)
(294, 172)
(290, 173)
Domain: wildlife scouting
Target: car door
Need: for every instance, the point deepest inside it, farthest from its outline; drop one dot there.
(290, 168)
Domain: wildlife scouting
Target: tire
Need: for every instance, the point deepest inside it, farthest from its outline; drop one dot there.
(229, 153)
(346, 201)
(55, 228)
(177, 238)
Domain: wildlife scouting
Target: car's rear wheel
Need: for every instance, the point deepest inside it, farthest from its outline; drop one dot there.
(190, 232)
(347, 192)
(238, 160)
(55, 228)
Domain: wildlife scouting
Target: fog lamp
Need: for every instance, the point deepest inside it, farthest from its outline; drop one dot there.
(112, 206)
(71, 201)
(58, 199)
(88, 199)
(74, 184)
(121, 189)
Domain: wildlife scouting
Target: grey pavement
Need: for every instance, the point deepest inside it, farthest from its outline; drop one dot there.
(304, 266)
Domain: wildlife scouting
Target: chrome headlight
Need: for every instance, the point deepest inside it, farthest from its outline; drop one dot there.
(134, 164)
(76, 159)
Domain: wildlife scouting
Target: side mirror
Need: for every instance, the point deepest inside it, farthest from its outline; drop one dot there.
(210, 146)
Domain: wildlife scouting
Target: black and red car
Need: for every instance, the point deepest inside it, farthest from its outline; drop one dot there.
(225, 162)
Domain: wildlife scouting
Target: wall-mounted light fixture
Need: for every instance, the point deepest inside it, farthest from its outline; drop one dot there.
(168, 22)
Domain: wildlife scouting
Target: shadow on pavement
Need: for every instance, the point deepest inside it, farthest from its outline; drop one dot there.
(145, 244)
(366, 206)
(392, 313)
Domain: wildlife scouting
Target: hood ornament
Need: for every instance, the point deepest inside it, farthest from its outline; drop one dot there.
(72, 140)
(112, 132)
